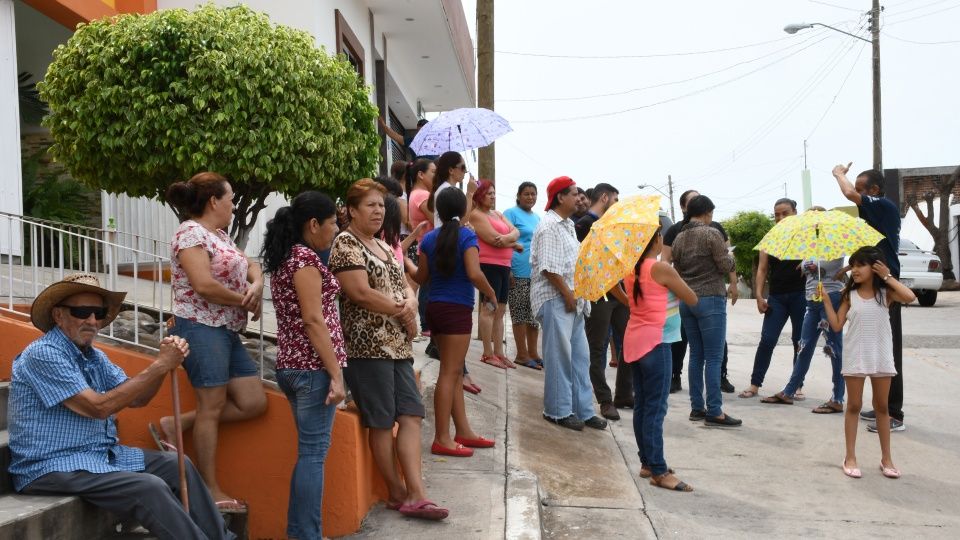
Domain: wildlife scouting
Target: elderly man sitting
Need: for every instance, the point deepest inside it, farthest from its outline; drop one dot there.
(63, 436)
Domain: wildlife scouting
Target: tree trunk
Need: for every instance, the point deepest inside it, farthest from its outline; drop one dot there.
(485, 99)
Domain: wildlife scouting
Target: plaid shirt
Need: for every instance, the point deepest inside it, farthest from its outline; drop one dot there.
(46, 436)
(554, 249)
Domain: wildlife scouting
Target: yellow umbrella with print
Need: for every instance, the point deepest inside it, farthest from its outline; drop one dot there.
(821, 235)
(818, 235)
(614, 244)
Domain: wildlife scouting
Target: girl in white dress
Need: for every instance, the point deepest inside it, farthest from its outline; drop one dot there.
(867, 347)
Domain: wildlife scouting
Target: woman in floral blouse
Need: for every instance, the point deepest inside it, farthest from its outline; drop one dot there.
(215, 286)
(310, 342)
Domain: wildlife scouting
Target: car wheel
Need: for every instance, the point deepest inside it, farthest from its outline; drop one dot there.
(926, 298)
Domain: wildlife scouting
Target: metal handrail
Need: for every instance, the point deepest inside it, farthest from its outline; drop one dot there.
(49, 250)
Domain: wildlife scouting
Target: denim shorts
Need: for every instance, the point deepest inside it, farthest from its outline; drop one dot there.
(216, 354)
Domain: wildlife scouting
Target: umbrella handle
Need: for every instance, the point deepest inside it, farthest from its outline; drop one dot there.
(181, 461)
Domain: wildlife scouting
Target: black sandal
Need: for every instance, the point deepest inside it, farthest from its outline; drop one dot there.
(829, 407)
(778, 399)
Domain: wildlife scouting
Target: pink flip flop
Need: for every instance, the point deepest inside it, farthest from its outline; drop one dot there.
(158, 440)
(424, 509)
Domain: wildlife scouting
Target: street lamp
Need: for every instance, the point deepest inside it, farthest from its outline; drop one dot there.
(875, 41)
(668, 196)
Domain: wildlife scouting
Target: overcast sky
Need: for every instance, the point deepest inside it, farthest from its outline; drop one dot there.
(735, 128)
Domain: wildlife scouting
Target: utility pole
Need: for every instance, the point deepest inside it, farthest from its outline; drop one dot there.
(877, 135)
(485, 97)
(673, 217)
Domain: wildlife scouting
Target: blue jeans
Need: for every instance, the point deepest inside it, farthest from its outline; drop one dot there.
(779, 308)
(307, 390)
(651, 386)
(566, 363)
(706, 326)
(815, 322)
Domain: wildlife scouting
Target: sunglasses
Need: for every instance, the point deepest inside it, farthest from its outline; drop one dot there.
(84, 312)
(462, 166)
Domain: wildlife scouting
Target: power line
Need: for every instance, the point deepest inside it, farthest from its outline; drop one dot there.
(753, 140)
(922, 16)
(668, 100)
(896, 13)
(635, 56)
(660, 85)
(834, 5)
(834, 100)
(919, 42)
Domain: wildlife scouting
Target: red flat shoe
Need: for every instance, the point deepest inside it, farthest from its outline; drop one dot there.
(479, 442)
(459, 451)
(492, 361)
(472, 388)
(505, 361)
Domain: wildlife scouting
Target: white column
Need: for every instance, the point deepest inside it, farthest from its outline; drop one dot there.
(11, 199)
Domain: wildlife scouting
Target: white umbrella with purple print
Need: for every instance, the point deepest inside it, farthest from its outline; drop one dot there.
(459, 130)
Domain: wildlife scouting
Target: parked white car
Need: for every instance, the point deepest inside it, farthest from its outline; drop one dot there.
(920, 270)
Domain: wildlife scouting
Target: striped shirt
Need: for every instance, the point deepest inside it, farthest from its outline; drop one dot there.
(46, 436)
(554, 249)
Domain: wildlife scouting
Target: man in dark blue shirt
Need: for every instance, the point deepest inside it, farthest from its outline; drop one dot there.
(882, 215)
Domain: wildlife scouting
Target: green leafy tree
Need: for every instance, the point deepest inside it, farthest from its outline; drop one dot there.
(746, 229)
(140, 101)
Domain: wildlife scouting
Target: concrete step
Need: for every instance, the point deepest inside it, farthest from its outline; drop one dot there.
(28, 517)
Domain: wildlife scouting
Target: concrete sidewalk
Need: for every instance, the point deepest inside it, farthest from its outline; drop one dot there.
(777, 475)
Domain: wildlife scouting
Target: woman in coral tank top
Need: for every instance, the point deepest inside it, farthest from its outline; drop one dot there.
(498, 240)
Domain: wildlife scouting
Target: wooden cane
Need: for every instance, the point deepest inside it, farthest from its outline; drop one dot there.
(181, 462)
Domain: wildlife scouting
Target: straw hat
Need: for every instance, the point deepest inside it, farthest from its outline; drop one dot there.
(40, 311)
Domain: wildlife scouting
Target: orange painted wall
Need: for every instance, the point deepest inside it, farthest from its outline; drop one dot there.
(70, 13)
(256, 457)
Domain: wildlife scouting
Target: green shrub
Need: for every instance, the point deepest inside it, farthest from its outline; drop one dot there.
(140, 101)
(746, 229)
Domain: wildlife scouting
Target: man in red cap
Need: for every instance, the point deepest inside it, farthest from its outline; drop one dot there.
(567, 392)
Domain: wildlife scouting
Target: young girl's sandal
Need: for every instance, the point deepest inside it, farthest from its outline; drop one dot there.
(890, 472)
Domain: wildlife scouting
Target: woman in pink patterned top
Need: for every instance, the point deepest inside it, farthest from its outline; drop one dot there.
(311, 345)
(215, 285)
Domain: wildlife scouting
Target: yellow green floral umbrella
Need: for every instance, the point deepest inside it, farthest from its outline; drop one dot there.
(818, 235)
(615, 242)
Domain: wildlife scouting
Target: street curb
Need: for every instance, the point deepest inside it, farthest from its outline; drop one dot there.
(524, 521)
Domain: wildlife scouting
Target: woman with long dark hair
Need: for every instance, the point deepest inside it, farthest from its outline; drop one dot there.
(653, 294)
(215, 286)
(452, 268)
(310, 342)
(451, 170)
(701, 257)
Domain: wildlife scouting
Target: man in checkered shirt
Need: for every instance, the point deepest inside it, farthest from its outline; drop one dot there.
(567, 392)
(63, 436)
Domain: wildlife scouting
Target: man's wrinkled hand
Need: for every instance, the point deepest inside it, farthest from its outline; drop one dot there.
(173, 349)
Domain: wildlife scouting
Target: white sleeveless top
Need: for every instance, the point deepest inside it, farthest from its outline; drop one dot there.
(867, 339)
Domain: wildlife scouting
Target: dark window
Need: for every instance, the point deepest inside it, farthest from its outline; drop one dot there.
(348, 44)
(396, 150)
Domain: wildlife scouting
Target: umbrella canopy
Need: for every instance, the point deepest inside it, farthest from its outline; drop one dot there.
(819, 235)
(614, 244)
(459, 130)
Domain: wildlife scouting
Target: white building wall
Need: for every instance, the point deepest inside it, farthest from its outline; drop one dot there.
(11, 196)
